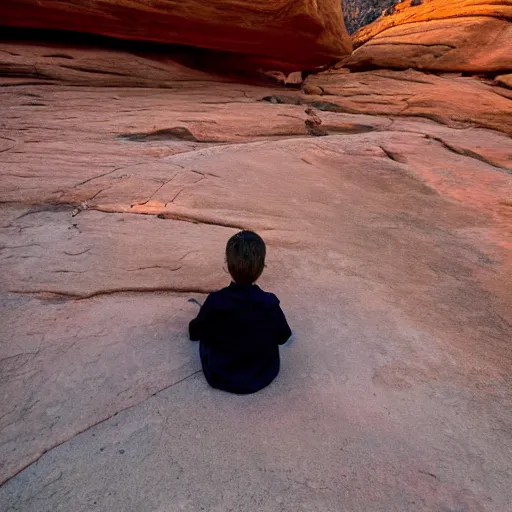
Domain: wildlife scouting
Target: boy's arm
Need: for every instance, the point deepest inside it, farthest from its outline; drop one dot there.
(198, 326)
(283, 329)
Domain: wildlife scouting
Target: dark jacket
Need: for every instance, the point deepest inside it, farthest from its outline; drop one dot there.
(240, 328)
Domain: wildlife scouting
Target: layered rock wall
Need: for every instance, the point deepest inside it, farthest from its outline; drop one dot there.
(291, 34)
(472, 36)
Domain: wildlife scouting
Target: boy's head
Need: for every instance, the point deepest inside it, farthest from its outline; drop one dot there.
(245, 256)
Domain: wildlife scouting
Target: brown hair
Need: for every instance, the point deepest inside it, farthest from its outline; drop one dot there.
(245, 256)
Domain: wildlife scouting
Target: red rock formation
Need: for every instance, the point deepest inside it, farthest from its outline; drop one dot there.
(467, 35)
(455, 101)
(96, 66)
(505, 80)
(451, 100)
(292, 34)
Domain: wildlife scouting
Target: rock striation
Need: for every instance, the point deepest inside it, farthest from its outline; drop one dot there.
(287, 34)
(453, 100)
(472, 36)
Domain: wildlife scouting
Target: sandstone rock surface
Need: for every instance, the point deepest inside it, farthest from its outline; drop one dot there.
(505, 80)
(453, 100)
(53, 63)
(389, 245)
(473, 36)
(286, 33)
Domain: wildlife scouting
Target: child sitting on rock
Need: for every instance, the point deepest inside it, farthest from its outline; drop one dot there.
(241, 326)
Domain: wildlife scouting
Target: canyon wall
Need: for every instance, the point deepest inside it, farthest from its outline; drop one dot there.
(473, 36)
(287, 34)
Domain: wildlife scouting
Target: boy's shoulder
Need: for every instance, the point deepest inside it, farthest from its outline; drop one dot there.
(233, 291)
(270, 298)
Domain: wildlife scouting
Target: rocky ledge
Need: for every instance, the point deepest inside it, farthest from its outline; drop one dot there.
(270, 33)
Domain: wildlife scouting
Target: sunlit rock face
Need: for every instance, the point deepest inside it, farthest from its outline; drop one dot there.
(457, 101)
(473, 36)
(291, 34)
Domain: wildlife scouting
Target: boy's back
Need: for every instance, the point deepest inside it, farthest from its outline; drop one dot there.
(240, 328)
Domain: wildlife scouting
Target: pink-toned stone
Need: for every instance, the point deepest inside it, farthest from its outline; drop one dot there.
(389, 245)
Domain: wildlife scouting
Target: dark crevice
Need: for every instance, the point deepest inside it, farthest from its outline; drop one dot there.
(10, 53)
(76, 253)
(282, 100)
(65, 271)
(43, 208)
(59, 56)
(175, 133)
(324, 106)
(24, 84)
(9, 147)
(199, 220)
(468, 153)
(433, 45)
(106, 174)
(85, 69)
(392, 156)
(428, 473)
(151, 267)
(349, 129)
(403, 79)
(51, 295)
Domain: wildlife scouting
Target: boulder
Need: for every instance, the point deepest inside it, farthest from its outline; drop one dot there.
(505, 80)
(293, 34)
(473, 36)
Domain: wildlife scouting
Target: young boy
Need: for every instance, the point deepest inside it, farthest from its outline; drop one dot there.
(241, 326)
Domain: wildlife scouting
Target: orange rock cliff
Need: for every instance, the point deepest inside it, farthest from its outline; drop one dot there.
(465, 36)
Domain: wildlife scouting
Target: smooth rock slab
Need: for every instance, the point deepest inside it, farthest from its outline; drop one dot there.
(390, 248)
